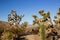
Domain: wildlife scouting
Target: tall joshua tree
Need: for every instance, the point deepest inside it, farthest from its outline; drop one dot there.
(13, 18)
(40, 22)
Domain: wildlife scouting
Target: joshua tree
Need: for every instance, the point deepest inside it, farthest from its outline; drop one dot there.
(13, 18)
(40, 22)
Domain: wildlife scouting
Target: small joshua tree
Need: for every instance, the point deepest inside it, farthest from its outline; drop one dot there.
(13, 18)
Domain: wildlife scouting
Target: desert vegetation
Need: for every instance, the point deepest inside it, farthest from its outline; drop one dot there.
(45, 29)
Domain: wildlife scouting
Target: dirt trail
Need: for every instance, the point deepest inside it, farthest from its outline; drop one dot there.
(31, 37)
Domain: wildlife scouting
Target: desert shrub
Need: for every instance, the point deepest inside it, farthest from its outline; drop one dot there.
(12, 32)
(18, 31)
(7, 35)
(24, 26)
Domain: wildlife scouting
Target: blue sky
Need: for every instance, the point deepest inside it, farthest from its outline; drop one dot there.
(28, 7)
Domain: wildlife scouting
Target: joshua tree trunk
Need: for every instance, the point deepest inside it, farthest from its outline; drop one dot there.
(42, 31)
